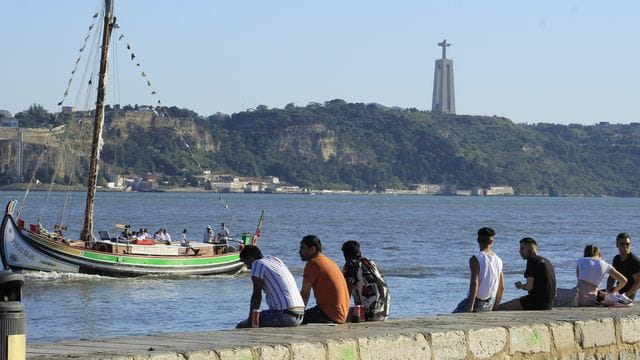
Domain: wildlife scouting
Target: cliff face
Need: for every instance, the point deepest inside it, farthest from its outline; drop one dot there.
(353, 146)
(317, 141)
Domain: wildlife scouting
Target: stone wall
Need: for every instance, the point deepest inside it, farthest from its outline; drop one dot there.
(572, 333)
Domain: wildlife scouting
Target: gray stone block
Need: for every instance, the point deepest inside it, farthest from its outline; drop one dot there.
(307, 351)
(394, 347)
(594, 333)
(563, 336)
(485, 343)
(343, 349)
(630, 329)
(449, 345)
(529, 339)
(236, 354)
(278, 352)
(202, 355)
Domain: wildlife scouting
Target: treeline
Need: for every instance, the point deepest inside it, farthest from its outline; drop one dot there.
(358, 146)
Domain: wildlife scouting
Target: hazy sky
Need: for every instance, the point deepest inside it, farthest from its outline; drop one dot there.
(530, 61)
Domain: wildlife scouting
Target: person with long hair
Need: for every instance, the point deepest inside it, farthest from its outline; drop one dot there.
(591, 270)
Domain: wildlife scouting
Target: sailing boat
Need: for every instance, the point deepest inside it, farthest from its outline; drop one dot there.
(33, 248)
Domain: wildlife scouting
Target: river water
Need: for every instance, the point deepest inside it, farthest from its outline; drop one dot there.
(421, 243)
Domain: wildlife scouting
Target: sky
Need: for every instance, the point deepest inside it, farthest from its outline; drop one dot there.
(539, 61)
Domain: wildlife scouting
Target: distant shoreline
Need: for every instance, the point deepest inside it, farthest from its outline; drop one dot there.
(41, 187)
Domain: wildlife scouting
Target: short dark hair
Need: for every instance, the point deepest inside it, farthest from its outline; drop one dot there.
(250, 251)
(622, 236)
(528, 241)
(590, 250)
(485, 233)
(312, 240)
(351, 249)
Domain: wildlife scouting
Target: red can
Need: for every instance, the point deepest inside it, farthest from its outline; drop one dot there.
(358, 314)
(255, 318)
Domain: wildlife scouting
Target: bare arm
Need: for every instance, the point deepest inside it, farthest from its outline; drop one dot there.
(256, 296)
(622, 281)
(305, 292)
(500, 292)
(526, 286)
(636, 284)
(474, 265)
(610, 283)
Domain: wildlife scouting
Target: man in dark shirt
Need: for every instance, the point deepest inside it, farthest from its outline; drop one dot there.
(541, 280)
(628, 265)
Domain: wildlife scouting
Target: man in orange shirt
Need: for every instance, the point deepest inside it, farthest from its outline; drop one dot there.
(329, 287)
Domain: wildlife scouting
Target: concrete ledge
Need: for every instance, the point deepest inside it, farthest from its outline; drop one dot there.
(568, 333)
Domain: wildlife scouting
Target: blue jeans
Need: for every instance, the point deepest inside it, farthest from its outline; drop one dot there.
(479, 305)
(274, 318)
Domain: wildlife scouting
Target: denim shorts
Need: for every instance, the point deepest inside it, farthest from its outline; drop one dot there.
(480, 305)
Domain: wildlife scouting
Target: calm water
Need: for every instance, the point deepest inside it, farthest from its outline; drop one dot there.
(422, 244)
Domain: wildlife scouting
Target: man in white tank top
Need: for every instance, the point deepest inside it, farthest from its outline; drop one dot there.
(487, 279)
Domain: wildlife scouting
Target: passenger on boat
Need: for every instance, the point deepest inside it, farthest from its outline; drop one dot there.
(208, 235)
(271, 275)
(222, 239)
(167, 237)
(628, 265)
(223, 234)
(158, 237)
(185, 242)
(329, 287)
(365, 283)
(486, 286)
(126, 233)
(541, 280)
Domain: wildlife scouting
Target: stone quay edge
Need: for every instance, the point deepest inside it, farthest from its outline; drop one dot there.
(562, 333)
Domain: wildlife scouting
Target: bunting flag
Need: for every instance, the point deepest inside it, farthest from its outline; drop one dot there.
(143, 74)
(80, 51)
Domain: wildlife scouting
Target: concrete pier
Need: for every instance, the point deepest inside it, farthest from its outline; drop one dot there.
(564, 333)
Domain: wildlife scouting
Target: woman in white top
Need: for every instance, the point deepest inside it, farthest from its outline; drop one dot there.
(591, 270)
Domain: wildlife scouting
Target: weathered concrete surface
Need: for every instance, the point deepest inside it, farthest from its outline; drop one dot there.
(567, 333)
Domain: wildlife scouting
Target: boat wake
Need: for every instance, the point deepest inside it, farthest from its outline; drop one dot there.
(54, 275)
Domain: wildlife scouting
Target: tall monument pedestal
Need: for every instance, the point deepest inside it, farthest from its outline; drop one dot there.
(444, 97)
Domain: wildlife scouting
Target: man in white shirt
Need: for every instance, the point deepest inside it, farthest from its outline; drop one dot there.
(207, 237)
(271, 275)
(487, 279)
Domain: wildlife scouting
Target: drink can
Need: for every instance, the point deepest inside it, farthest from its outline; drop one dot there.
(255, 318)
(358, 314)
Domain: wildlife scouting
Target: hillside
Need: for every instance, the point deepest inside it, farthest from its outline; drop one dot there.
(370, 147)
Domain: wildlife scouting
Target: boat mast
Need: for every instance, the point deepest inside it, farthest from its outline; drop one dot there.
(109, 21)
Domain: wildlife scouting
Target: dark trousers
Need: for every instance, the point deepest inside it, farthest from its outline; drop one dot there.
(315, 315)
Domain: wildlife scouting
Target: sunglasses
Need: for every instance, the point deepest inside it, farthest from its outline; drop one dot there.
(625, 244)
